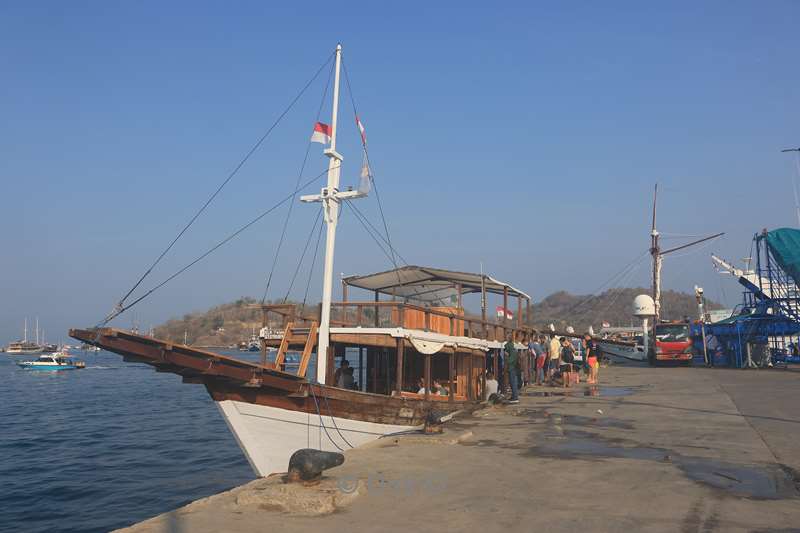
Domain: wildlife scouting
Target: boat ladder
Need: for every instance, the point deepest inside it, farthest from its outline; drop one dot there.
(305, 336)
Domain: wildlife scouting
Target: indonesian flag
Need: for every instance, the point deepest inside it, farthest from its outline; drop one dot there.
(322, 133)
(502, 312)
(362, 131)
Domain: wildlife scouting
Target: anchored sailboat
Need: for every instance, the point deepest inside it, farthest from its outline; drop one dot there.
(406, 349)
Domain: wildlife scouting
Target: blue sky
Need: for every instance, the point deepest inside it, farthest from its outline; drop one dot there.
(526, 136)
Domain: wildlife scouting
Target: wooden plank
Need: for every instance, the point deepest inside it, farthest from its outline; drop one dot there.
(427, 377)
(306, 357)
(281, 355)
(329, 370)
(451, 363)
(401, 343)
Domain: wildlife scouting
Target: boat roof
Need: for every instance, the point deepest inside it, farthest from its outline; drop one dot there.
(429, 284)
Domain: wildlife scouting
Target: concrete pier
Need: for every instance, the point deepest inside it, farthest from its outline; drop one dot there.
(651, 449)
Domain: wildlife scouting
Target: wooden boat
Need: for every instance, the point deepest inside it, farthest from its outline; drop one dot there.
(273, 411)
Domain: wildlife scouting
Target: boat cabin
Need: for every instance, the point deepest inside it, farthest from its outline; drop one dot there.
(409, 334)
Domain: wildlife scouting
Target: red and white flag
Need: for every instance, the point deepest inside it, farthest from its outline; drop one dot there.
(362, 131)
(502, 312)
(322, 133)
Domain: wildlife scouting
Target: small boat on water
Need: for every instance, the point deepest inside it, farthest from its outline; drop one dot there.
(56, 361)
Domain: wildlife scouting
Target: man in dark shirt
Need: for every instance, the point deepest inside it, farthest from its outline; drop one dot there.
(567, 360)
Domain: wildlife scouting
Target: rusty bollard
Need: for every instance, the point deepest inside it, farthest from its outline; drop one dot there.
(308, 464)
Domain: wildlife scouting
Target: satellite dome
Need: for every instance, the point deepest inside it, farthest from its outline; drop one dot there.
(643, 306)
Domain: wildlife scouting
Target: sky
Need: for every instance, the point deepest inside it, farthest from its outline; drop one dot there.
(526, 137)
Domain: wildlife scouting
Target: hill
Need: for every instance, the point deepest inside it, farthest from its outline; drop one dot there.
(613, 306)
(233, 322)
(222, 325)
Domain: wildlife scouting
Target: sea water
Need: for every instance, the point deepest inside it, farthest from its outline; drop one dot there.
(107, 446)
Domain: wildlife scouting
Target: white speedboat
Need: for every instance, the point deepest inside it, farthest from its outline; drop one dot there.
(56, 361)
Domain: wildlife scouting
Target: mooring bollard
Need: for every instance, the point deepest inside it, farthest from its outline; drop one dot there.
(433, 422)
(308, 464)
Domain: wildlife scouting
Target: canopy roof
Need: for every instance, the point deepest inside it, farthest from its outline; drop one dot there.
(784, 243)
(429, 284)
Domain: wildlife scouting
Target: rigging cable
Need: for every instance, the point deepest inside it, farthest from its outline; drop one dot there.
(321, 422)
(121, 309)
(596, 293)
(302, 256)
(120, 304)
(291, 204)
(313, 263)
(370, 176)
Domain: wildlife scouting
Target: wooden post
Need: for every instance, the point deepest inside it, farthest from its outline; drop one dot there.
(361, 380)
(377, 317)
(519, 311)
(401, 315)
(330, 367)
(505, 305)
(401, 343)
(360, 316)
(427, 319)
(471, 379)
(528, 312)
(484, 303)
(344, 300)
(483, 379)
(452, 371)
(459, 288)
(263, 341)
(427, 377)
(495, 365)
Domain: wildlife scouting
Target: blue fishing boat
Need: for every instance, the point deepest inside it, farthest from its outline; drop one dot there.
(56, 361)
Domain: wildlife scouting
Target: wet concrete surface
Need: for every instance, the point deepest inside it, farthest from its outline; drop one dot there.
(666, 449)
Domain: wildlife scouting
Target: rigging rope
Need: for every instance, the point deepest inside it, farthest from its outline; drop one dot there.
(121, 309)
(302, 256)
(371, 177)
(313, 263)
(596, 293)
(291, 204)
(236, 169)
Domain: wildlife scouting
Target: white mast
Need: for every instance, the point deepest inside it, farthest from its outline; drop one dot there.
(37, 331)
(331, 199)
(655, 251)
(25, 334)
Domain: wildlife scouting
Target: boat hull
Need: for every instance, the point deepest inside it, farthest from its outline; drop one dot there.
(273, 413)
(48, 367)
(635, 353)
(269, 436)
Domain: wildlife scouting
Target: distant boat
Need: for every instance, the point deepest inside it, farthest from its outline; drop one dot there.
(26, 347)
(23, 348)
(56, 361)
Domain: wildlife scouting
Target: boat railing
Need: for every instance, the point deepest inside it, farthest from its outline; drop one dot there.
(445, 320)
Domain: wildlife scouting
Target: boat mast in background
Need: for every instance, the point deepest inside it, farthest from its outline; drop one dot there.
(331, 198)
(794, 180)
(655, 252)
(658, 255)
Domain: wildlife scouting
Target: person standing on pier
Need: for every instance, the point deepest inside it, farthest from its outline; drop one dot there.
(512, 363)
(541, 359)
(525, 364)
(555, 355)
(590, 349)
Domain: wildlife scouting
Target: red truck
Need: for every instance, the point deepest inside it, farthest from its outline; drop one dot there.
(672, 342)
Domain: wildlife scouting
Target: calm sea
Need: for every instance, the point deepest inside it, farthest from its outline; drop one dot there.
(107, 446)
